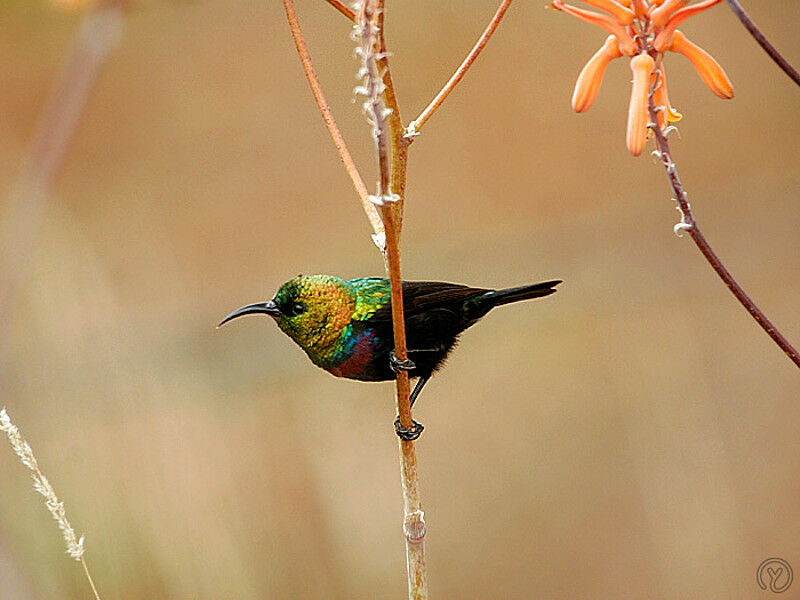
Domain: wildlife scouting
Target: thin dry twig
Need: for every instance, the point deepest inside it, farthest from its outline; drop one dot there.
(762, 40)
(402, 137)
(378, 89)
(330, 123)
(342, 8)
(689, 224)
(415, 125)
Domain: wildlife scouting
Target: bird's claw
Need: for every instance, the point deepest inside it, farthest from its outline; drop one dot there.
(400, 365)
(410, 434)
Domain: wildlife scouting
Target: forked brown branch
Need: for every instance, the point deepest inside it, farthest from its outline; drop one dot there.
(330, 123)
(381, 109)
(416, 124)
(391, 143)
(689, 224)
(383, 113)
(401, 137)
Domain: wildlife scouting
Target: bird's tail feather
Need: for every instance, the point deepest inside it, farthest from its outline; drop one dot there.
(515, 294)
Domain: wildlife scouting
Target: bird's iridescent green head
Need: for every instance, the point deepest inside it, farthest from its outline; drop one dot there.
(313, 310)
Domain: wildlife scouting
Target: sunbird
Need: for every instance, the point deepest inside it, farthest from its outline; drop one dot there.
(345, 327)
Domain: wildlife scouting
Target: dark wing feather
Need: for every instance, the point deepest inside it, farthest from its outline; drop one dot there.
(422, 296)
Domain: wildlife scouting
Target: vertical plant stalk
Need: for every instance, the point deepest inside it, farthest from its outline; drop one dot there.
(398, 141)
(414, 527)
(415, 125)
(391, 141)
(98, 34)
(24, 451)
(380, 108)
(762, 40)
(327, 116)
(689, 224)
(392, 169)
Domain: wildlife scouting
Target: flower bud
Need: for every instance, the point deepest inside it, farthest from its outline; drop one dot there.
(622, 14)
(664, 38)
(707, 68)
(626, 44)
(639, 8)
(660, 15)
(642, 66)
(591, 77)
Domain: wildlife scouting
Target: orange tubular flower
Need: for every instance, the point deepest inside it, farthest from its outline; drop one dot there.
(705, 65)
(84, 5)
(642, 66)
(591, 77)
(644, 30)
(622, 14)
(660, 15)
(664, 39)
(640, 8)
(74, 4)
(626, 43)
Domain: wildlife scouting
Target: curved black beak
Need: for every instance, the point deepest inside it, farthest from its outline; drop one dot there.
(267, 308)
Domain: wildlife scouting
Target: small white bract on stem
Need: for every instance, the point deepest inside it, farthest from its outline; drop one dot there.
(40, 484)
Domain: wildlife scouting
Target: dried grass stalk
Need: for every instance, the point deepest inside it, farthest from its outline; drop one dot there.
(23, 450)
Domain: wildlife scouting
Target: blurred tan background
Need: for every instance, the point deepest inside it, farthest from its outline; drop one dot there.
(634, 436)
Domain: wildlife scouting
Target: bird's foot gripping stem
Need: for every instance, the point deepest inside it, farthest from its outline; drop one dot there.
(400, 365)
(413, 432)
(410, 434)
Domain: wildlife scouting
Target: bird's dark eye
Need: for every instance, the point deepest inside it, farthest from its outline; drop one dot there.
(298, 308)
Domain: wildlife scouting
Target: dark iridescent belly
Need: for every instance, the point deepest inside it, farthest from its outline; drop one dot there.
(367, 355)
(361, 359)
